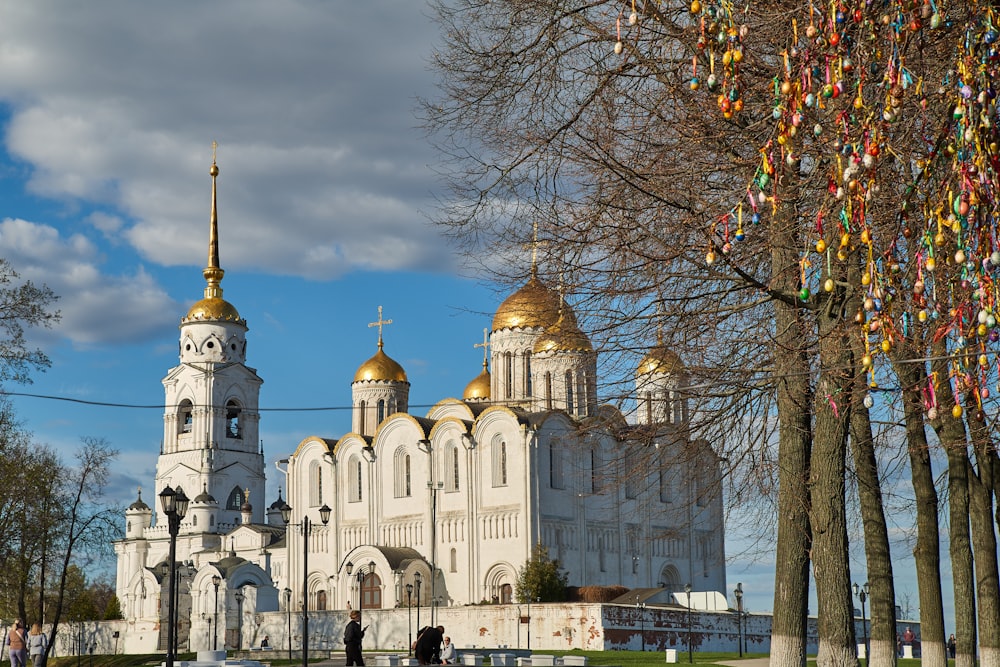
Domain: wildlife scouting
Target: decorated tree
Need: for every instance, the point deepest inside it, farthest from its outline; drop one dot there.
(803, 196)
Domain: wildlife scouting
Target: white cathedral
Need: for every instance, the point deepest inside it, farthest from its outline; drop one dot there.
(443, 508)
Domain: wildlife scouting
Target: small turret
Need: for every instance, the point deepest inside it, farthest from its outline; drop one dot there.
(138, 517)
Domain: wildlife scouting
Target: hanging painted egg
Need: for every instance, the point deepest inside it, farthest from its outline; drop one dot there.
(960, 257)
(930, 264)
(710, 257)
(866, 361)
(956, 411)
(695, 84)
(935, 21)
(869, 401)
(828, 285)
(804, 294)
(618, 48)
(821, 246)
(633, 18)
(932, 414)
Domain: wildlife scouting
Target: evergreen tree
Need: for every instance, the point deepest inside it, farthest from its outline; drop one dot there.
(541, 579)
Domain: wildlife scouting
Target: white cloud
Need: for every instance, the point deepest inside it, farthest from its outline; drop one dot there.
(322, 170)
(96, 308)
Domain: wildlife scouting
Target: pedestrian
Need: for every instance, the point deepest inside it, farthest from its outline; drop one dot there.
(899, 647)
(951, 646)
(908, 637)
(428, 649)
(448, 654)
(353, 634)
(37, 641)
(17, 644)
(264, 643)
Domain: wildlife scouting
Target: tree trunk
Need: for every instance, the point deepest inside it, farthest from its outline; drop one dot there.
(951, 434)
(882, 635)
(985, 544)
(793, 390)
(926, 554)
(828, 511)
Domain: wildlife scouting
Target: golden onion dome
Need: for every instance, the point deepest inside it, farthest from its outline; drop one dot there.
(563, 336)
(213, 308)
(661, 360)
(534, 305)
(479, 388)
(380, 367)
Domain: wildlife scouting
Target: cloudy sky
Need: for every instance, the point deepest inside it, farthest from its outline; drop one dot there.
(109, 110)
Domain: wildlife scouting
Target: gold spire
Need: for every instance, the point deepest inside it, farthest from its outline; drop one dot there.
(486, 348)
(213, 272)
(213, 306)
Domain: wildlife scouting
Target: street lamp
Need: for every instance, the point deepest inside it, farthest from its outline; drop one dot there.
(862, 593)
(528, 599)
(239, 618)
(362, 575)
(739, 616)
(216, 580)
(174, 505)
(687, 589)
(306, 527)
(409, 618)
(288, 609)
(641, 608)
(417, 580)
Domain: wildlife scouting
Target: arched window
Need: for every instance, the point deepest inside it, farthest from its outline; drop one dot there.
(548, 390)
(451, 467)
(508, 375)
(320, 600)
(185, 416)
(401, 474)
(556, 478)
(666, 490)
(499, 462)
(233, 427)
(362, 416)
(569, 392)
(454, 559)
(354, 479)
(235, 499)
(315, 484)
(527, 374)
(596, 471)
(381, 411)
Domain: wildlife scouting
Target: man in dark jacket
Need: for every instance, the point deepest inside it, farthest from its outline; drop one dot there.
(429, 646)
(353, 634)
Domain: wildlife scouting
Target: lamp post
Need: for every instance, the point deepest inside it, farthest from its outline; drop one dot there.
(174, 505)
(687, 589)
(216, 580)
(434, 487)
(306, 526)
(528, 598)
(862, 593)
(641, 608)
(739, 616)
(239, 595)
(361, 576)
(288, 609)
(417, 580)
(409, 618)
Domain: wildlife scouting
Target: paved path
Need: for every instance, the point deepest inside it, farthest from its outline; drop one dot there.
(746, 662)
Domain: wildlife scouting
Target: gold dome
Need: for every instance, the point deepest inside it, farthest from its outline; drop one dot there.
(563, 336)
(380, 367)
(534, 305)
(660, 360)
(479, 388)
(213, 308)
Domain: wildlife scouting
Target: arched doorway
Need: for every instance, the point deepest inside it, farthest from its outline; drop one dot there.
(321, 600)
(506, 594)
(371, 591)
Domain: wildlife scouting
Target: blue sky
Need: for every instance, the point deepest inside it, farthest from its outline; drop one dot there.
(108, 110)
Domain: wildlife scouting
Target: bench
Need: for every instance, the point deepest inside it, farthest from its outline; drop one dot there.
(502, 659)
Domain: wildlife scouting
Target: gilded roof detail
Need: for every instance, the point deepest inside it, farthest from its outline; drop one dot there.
(534, 305)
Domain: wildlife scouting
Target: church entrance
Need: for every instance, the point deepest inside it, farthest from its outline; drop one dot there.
(371, 591)
(506, 594)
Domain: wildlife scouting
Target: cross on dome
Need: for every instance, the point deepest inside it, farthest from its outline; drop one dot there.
(380, 323)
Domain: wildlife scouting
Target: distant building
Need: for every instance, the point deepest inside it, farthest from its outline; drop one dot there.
(454, 499)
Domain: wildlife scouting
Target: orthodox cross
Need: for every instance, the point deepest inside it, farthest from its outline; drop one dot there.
(380, 323)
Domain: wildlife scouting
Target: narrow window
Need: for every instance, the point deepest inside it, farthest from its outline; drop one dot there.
(406, 465)
(569, 392)
(499, 456)
(451, 459)
(548, 391)
(354, 479)
(315, 484)
(666, 493)
(454, 560)
(362, 416)
(381, 412)
(508, 361)
(235, 500)
(527, 374)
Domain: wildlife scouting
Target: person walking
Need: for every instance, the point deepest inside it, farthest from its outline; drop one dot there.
(37, 642)
(951, 646)
(353, 634)
(17, 644)
(428, 649)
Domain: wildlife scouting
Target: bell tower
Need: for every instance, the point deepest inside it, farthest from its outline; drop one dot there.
(210, 423)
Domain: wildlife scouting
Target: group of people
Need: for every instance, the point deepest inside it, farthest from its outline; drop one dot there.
(21, 644)
(432, 646)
